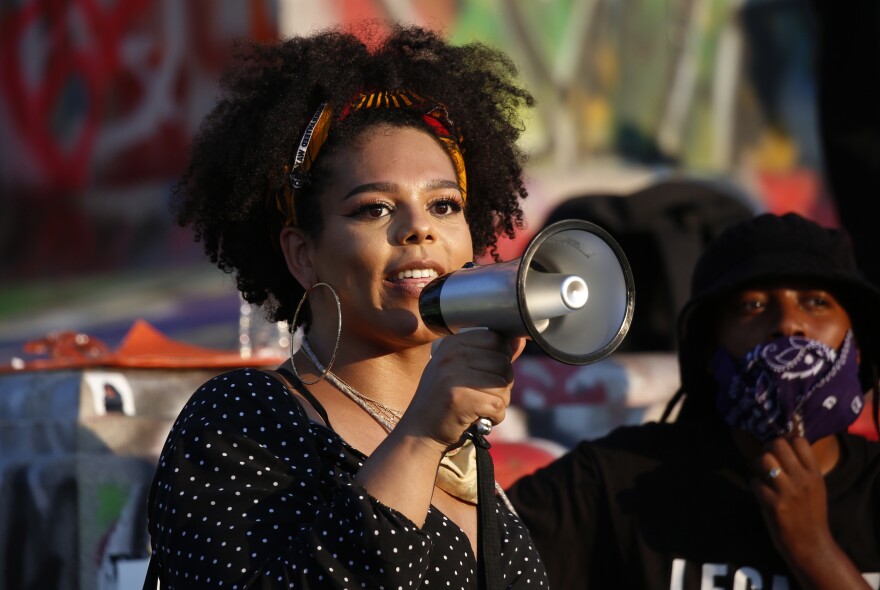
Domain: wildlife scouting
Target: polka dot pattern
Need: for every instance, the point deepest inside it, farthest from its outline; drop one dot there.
(248, 493)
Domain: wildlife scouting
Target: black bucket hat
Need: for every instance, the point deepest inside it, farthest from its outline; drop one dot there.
(781, 247)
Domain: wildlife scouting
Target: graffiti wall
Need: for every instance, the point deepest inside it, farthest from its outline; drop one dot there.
(627, 90)
(98, 101)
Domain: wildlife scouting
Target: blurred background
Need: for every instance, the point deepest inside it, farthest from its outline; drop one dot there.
(660, 120)
(98, 101)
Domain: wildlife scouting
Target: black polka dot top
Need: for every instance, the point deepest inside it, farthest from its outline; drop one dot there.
(248, 493)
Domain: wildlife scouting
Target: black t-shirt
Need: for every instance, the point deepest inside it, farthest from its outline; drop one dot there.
(668, 506)
(249, 493)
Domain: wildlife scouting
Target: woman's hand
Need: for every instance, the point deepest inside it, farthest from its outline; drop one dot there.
(469, 377)
(790, 488)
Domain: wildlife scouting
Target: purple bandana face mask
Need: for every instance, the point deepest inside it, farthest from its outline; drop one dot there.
(789, 384)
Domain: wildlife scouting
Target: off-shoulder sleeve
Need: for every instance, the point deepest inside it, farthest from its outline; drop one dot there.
(249, 494)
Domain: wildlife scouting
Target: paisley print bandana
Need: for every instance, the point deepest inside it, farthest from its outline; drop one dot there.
(791, 384)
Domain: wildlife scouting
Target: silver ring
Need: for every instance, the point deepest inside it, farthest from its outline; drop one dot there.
(774, 473)
(483, 426)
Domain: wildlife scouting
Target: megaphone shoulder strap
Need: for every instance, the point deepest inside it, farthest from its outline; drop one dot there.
(488, 533)
(153, 580)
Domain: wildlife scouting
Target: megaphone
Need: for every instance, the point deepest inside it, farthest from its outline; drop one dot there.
(571, 292)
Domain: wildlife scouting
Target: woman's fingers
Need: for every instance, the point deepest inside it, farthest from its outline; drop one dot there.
(518, 344)
(469, 377)
(478, 365)
(480, 351)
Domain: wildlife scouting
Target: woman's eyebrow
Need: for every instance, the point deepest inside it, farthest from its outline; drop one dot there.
(372, 187)
(441, 183)
(391, 187)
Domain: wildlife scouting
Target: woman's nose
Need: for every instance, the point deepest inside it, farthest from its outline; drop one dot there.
(414, 227)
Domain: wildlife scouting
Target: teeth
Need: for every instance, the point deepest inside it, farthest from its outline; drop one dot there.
(417, 273)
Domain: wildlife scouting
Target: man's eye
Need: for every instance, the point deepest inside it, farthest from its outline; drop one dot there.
(819, 301)
(750, 306)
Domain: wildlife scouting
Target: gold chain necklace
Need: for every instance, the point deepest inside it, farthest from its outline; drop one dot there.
(387, 416)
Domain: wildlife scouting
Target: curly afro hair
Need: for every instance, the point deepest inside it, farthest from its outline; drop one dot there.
(272, 90)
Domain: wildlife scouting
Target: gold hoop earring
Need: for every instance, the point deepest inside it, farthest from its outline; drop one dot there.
(338, 333)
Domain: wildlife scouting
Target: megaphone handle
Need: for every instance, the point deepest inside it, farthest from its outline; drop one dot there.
(482, 427)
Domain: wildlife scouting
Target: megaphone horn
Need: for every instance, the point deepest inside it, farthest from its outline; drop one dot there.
(571, 292)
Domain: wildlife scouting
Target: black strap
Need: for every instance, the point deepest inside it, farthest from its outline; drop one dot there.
(151, 582)
(488, 534)
(303, 391)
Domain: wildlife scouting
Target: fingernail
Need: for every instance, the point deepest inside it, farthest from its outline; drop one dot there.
(799, 426)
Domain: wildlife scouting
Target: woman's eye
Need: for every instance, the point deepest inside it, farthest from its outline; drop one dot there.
(445, 207)
(372, 211)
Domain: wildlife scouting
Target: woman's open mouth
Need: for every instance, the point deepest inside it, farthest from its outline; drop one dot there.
(412, 281)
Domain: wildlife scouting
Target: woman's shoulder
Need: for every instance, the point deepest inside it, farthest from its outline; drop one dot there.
(235, 382)
(242, 397)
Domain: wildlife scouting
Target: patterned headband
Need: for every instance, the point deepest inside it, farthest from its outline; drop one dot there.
(434, 114)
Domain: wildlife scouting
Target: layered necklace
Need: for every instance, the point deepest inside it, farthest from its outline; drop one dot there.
(387, 416)
(450, 478)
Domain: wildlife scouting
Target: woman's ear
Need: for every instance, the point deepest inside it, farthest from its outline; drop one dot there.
(298, 248)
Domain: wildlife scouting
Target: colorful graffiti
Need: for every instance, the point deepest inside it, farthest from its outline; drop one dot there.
(99, 101)
(93, 89)
(710, 87)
